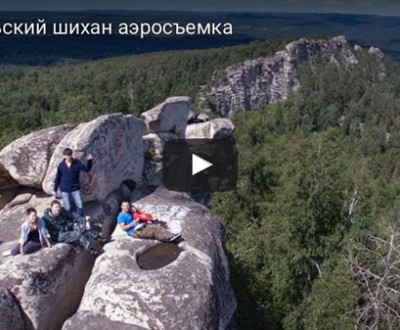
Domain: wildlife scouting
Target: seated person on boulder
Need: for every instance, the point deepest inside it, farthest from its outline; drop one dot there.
(34, 235)
(144, 230)
(67, 227)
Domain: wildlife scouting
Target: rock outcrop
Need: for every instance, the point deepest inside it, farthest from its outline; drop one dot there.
(42, 290)
(377, 52)
(193, 292)
(153, 154)
(195, 117)
(11, 317)
(170, 116)
(256, 82)
(165, 122)
(27, 158)
(218, 128)
(117, 147)
(47, 284)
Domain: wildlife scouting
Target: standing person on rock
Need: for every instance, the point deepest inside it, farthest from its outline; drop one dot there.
(67, 179)
(141, 230)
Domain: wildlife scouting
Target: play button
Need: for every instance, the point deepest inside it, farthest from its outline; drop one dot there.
(199, 164)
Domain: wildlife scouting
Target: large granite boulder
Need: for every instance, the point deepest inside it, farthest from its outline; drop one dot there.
(11, 317)
(256, 82)
(116, 144)
(218, 128)
(153, 155)
(48, 284)
(192, 292)
(27, 158)
(170, 116)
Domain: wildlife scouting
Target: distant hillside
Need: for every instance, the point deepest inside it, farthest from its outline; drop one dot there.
(31, 98)
(312, 228)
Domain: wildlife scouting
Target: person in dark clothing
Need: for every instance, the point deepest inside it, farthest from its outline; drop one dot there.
(34, 235)
(67, 227)
(67, 179)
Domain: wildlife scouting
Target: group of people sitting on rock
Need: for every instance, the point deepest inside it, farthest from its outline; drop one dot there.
(59, 224)
(55, 226)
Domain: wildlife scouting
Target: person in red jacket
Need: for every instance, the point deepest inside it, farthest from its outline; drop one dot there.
(144, 230)
(141, 216)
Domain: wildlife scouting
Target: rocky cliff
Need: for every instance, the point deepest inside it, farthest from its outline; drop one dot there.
(65, 287)
(193, 292)
(260, 81)
(43, 290)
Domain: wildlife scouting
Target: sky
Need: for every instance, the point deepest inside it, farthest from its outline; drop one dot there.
(377, 7)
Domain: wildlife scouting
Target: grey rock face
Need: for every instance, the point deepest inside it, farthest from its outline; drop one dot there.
(192, 116)
(6, 180)
(202, 117)
(153, 154)
(11, 317)
(256, 82)
(377, 52)
(195, 117)
(47, 284)
(170, 116)
(117, 147)
(7, 196)
(193, 292)
(214, 129)
(27, 158)
(89, 321)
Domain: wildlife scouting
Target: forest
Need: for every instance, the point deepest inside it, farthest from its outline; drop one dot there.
(36, 97)
(312, 230)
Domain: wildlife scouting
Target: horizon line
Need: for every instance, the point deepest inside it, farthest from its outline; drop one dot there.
(194, 12)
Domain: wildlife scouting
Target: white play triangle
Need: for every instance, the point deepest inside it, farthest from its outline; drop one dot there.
(199, 164)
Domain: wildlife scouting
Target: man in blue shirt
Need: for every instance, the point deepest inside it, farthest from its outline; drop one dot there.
(145, 231)
(67, 179)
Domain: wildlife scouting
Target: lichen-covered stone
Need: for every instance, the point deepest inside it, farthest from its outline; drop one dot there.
(27, 158)
(170, 116)
(153, 155)
(193, 292)
(48, 284)
(10, 313)
(115, 141)
(218, 128)
(260, 81)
